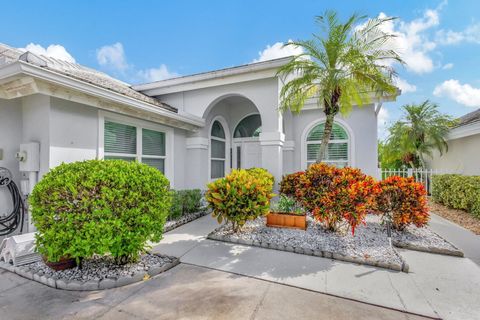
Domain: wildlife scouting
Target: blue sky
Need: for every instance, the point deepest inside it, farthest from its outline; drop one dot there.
(141, 41)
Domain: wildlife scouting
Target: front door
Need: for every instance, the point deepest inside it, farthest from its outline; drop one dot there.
(246, 153)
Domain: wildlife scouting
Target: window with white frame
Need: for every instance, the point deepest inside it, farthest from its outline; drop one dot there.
(218, 150)
(337, 151)
(129, 142)
(250, 126)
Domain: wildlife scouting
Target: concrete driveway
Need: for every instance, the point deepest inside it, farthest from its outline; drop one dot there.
(184, 292)
(436, 286)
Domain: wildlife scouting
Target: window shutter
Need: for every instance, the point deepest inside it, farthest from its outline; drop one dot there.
(120, 138)
(153, 143)
(156, 163)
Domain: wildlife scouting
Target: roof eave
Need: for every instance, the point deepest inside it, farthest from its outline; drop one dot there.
(20, 67)
(215, 74)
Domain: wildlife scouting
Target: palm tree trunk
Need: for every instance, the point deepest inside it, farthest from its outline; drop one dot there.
(326, 137)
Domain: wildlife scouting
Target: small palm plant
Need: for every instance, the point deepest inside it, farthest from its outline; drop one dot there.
(421, 130)
(345, 65)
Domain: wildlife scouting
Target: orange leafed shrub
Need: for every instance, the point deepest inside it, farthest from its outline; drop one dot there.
(336, 195)
(403, 201)
(290, 182)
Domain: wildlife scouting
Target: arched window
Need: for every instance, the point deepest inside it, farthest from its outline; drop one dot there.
(218, 153)
(337, 151)
(250, 126)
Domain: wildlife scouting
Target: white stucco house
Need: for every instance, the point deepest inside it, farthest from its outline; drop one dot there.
(193, 128)
(463, 154)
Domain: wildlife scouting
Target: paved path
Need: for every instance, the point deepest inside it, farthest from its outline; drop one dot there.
(437, 286)
(184, 292)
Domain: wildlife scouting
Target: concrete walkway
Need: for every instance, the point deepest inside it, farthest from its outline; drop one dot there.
(184, 292)
(437, 286)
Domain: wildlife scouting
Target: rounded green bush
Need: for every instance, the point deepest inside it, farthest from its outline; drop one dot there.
(99, 207)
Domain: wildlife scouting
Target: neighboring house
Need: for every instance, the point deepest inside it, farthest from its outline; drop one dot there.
(463, 154)
(193, 128)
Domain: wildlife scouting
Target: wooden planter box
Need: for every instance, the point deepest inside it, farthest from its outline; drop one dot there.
(287, 220)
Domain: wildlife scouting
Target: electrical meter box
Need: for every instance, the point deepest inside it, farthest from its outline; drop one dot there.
(29, 157)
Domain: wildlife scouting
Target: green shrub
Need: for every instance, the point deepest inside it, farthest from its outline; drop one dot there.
(458, 192)
(184, 202)
(240, 196)
(99, 207)
(289, 205)
(263, 174)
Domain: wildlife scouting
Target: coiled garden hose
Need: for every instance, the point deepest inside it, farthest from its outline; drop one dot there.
(10, 222)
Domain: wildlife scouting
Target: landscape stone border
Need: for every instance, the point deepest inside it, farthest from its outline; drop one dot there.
(318, 253)
(173, 224)
(436, 250)
(91, 285)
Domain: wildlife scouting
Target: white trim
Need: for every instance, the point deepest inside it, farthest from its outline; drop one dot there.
(188, 122)
(139, 124)
(248, 72)
(464, 131)
(311, 125)
(224, 124)
(289, 145)
(197, 143)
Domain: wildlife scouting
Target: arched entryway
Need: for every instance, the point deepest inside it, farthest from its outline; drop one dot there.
(234, 125)
(247, 152)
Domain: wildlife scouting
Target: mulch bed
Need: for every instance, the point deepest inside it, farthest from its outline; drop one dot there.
(459, 217)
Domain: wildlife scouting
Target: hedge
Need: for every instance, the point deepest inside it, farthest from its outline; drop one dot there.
(458, 192)
(99, 207)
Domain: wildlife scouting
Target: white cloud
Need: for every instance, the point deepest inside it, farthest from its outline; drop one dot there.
(278, 50)
(471, 34)
(54, 51)
(462, 93)
(383, 118)
(447, 66)
(112, 56)
(405, 86)
(411, 40)
(157, 74)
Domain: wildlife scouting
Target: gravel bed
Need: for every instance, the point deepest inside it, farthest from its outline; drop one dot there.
(172, 224)
(102, 267)
(424, 239)
(368, 246)
(96, 274)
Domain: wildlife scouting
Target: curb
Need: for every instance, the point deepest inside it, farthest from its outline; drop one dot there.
(403, 267)
(90, 285)
(185, 219)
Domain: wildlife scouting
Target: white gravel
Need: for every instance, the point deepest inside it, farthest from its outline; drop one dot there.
(424, 239)
(100, 268)
(369, 243)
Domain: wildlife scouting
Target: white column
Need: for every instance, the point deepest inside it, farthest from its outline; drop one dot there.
(272, 153)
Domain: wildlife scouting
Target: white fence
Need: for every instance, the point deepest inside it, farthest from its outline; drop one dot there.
(424, 176)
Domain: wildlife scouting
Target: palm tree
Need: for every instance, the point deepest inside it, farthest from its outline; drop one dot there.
(422, 130)
(344, 65)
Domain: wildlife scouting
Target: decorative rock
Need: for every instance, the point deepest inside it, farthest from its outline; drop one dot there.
(74, 285)
(61, 284)
(123, 281)
(106, 283)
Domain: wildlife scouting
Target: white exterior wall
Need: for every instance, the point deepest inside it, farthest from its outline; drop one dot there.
(73, 132)
(10, 139)
(463, 156)
(362, 124)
